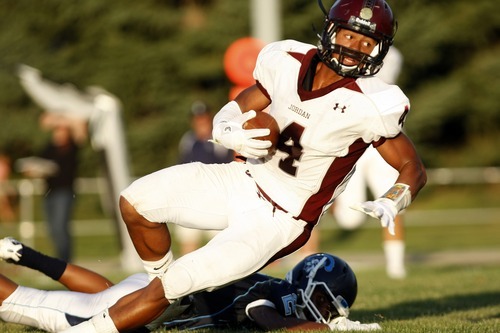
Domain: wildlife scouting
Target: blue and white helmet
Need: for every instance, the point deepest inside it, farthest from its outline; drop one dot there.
(327, 279)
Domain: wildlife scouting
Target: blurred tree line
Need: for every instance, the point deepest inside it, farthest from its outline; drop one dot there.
(158, 56)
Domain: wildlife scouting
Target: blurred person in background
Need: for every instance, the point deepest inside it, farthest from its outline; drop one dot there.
(61, 154)
(60, 195)
(195, 146)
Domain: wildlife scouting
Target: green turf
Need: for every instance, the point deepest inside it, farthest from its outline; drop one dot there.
(456, 221)
(431, 299)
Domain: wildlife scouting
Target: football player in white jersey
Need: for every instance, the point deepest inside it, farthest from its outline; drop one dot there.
(329, 108)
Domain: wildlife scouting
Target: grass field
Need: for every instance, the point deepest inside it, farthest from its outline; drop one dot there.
(453, 255)
(449, 299)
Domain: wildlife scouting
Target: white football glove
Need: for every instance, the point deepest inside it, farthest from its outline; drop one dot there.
(383, 209)
(344, 324)
(232, 136)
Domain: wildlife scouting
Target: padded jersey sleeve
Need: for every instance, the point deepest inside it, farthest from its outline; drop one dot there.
(271, 59)
(390, 107)
(277, 294)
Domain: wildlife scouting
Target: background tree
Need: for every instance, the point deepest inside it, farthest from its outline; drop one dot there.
(158, 56)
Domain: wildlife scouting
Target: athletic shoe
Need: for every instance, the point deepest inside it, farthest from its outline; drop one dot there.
(11, 250)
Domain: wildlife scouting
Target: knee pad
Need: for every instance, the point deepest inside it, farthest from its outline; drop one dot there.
(177, 282)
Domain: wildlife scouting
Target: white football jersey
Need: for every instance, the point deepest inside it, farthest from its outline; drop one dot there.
(323, 132)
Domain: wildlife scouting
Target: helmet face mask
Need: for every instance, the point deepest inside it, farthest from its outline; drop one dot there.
(371, 18)
(320, 305)
(327, 287)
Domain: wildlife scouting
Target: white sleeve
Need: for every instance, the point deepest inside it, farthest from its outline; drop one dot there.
(393, 107)
(389, 108)
(263, 72)
(271, 59)
(259, 302)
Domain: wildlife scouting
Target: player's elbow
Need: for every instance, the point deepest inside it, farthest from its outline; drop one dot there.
(419, 178)
(422, 175)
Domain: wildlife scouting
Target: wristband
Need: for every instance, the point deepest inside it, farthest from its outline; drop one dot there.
(400, 194)
(228, 112)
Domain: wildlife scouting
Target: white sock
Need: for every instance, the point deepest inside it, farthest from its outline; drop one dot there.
(103, 323)
(84, 327)
(395, 258)
(157, 268)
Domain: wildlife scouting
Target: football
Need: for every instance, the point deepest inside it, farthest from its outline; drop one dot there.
(265, 120)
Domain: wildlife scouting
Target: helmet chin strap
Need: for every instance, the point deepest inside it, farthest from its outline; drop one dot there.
(365, 67)
(343, 68)
(338, 66)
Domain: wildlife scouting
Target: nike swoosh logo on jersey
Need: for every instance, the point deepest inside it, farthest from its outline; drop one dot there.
(158, 268)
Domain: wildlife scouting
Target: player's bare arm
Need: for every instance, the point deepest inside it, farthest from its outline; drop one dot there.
(77, 278)
(252, 98)
(8, 287)
(400, 153)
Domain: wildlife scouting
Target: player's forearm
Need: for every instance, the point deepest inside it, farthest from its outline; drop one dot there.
(77, 278)
(7, 287)
(73, 277)
(414, 175)
(411, 179)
